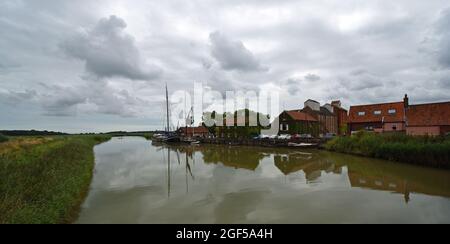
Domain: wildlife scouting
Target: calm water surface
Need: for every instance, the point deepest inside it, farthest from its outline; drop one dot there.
(137, 182)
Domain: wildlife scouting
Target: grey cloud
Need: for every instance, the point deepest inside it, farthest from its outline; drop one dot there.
(361, 82)
(445, 82)
(14, 98)
(219, 81)
(7, 64)
(391, 27)
(443, 30)
(312, 77)
(61, 101)
(293, 85)
(56, 101)
(233, 55)
(424, 95)
(206, 63)
(358, 72)
(65, 101)
(109, 101)
(108, 51)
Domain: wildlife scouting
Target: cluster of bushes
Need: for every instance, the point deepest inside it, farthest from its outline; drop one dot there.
(427, 151)
(3, 138)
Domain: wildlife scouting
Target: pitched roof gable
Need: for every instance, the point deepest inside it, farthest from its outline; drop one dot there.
(370, 114)
(300, 116)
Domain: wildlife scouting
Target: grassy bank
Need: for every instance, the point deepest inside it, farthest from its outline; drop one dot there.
(45, 179)
(3, 138)
(426, 151)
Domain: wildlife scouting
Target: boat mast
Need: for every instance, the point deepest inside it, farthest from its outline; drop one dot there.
(186, 120)
(167, 108)
(192, 122)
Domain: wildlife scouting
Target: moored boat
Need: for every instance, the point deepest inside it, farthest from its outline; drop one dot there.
(302, 145)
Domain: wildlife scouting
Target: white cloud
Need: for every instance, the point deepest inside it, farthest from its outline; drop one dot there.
(108, 51)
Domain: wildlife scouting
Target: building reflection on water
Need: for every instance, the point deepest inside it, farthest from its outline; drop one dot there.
(381, 184)
(380, 176)
(306, 162)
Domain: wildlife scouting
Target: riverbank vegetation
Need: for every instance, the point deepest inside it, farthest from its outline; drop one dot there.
(45, 179)
(426, 151)
(3, 138)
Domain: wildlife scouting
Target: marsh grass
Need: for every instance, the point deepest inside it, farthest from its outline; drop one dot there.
(44, 180)
(3, 138)
(426, 151)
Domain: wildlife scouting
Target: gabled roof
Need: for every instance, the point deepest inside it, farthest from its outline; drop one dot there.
(322, 111)
(370, 116)
(432, 114)
(300, 116)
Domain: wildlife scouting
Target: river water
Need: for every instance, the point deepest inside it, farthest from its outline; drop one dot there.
(137, 182)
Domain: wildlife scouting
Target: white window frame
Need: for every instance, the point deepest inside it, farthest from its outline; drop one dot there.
(361, 113)
(392, 111)
(377, 112)
(283, 126)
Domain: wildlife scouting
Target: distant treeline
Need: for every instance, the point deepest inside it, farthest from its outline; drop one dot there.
(30, 133)
(145, 134)
(128, 132)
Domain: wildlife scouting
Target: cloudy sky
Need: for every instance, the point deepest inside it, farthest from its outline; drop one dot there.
(79, 66)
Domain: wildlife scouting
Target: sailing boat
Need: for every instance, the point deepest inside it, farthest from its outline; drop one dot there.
(170, 137)
(189, 121)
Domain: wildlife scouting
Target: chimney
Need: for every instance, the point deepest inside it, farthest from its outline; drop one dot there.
(406, 101)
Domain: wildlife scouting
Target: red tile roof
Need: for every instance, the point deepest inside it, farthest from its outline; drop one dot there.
(429, 114)
(370, 116)
(300, 116)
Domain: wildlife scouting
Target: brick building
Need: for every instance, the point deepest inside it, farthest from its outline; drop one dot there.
(428, 119)
(383, 117)
(325, 116)
(342, 116)
(199, 131)
(296, 122)
(419, 119)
